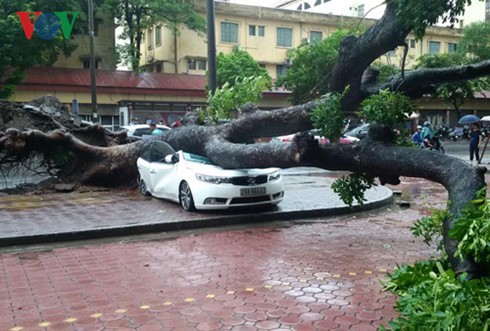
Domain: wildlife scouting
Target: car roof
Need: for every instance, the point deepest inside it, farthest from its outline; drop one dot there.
(142, 126)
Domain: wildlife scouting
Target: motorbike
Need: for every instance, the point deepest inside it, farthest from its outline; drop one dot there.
(434, 144)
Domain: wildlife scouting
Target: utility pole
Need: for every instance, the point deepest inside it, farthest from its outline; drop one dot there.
(93, 78)
(212, 64)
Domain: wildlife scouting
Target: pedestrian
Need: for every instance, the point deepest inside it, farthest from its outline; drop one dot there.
(475, 141)
(417, 136)
(154, 130)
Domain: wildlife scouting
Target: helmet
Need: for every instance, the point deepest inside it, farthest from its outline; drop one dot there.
(426, 123)
(419, 127)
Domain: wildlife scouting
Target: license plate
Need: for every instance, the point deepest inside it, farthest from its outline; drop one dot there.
(245, 192)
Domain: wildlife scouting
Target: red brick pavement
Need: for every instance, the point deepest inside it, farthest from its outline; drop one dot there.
(308, 275)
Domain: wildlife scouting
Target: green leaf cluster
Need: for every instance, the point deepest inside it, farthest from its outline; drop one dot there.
(229, 98)
(417, 15)
(472, 230)
(385, 71)
(476, 41)
(17, 53)
(353, 187)
(432, 297)
(430, 227)
(237, 65)
(308, 76)
(388, 108)
(328, 116)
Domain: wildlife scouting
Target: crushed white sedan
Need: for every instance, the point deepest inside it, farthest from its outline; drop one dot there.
(195, 183)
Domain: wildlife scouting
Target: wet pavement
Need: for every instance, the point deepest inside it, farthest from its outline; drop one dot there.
(320, 273)
(83, 215)
(317, 273)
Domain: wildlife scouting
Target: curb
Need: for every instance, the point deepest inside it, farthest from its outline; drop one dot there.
(196, 223)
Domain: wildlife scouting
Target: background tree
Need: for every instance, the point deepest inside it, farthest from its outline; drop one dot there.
(241, 80)
(136, 16)
(311, 69)
(476, 41)
(236, 66)
(458, 92)
(17, 53)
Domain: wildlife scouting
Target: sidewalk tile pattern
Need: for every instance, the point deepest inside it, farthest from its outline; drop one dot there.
(313, 275)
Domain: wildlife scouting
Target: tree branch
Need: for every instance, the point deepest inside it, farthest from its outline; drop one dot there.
(416, 82)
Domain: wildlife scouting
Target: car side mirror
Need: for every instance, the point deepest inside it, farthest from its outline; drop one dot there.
(171, 158)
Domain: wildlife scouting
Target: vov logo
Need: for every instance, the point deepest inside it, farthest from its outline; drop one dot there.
(47, 25)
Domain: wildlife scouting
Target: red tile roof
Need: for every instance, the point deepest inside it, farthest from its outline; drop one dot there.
(67, 79)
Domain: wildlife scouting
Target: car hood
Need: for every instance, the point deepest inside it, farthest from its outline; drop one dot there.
(213, 170)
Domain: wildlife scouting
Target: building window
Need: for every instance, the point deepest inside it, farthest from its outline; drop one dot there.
(261, 31)
(252, 30)
(281, 70)
(410, 43)
(158, 36)
(307, 5)
(434, 47)
(452, 47)
(360, 11)
(316, 36)
(86, 63)
(196, 64)
(158, 67)
(318, 2)
(284, 37)
(150, 39)
(229, 32)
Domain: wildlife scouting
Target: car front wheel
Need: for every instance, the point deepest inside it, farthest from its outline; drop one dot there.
(143, 188)
(185, 197)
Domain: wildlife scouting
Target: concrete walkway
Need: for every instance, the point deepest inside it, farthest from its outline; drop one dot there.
(86, 215)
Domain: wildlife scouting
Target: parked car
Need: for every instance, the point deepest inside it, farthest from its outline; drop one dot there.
(358, 132)
(138, 131)
(194, 182)
(322, 140)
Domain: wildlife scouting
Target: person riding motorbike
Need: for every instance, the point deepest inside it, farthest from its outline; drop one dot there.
(431, 141)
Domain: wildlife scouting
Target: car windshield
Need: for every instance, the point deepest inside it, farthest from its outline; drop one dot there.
(196, 158)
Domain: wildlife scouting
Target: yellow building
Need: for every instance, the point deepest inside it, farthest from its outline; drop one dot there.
(267, 34)
(104, 43)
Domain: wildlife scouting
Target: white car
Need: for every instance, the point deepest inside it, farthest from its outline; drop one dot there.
(195, 183)
(138, 131)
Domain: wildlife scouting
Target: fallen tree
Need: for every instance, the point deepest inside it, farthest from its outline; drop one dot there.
(94, 156)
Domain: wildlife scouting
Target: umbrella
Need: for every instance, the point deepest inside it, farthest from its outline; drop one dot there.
(485, 119)
(468, 119)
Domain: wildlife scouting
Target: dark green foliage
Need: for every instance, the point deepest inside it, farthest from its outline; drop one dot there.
(18, 53)
(385, 71)
(236, 66)
(432, 297)
(353, 187)
(309, 74)
(472, 230)
(388, 108)
(419, 14)
(328, 116)
(476, 41)
(430, 227)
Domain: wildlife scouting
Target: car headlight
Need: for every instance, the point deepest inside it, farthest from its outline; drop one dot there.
(213, 179)
(274, 176)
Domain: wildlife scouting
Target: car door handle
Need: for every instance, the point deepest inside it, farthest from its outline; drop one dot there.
(153, 172)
